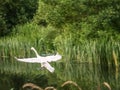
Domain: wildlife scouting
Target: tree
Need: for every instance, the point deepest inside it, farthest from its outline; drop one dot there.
(95, 15)
(15, 12)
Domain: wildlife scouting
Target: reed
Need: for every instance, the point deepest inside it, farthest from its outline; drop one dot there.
(50, 88)
(105, 84)
(71, 83)
(36, 87)
(116, 65)
(87, 63)
(31, 86)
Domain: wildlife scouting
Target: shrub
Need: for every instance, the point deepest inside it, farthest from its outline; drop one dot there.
(16, 12)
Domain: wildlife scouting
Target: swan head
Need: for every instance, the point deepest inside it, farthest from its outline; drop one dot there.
(32, 48)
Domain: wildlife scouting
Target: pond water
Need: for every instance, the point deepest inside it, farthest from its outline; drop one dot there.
(86, 75)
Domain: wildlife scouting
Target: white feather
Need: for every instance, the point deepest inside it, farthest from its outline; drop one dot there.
(48, 67)
(43, 60)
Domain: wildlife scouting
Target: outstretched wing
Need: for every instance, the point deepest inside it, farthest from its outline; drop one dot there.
(29, 60)
(53, 58)
(48, 67)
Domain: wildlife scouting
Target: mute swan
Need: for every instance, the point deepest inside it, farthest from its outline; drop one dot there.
(43, 60)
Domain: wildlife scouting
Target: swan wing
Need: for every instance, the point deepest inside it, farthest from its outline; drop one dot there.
(53, 58)
(48, 67)
(29, 60)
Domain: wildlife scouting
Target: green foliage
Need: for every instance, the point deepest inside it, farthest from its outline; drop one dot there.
(15, 12)
(36, 35)
(88, 17)
(3, 27)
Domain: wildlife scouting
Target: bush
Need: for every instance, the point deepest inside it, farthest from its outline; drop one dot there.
(3, 27)
(16, 12)
(95, 16)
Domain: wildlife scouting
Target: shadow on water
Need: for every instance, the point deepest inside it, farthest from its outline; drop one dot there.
(15, 82)
(86, 75)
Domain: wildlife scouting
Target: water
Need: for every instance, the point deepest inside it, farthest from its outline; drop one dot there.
(86, 75)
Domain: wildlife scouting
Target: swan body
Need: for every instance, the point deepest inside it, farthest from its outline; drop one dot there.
(43, 60)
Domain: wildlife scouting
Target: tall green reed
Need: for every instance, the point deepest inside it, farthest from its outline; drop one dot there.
(88, 63)
(91, 62)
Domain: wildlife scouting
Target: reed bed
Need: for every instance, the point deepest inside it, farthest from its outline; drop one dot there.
(87, 63)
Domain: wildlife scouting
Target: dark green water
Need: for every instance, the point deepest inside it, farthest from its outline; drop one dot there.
(86, 75)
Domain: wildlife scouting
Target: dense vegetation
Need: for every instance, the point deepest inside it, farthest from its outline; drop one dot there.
(92, 19)
(15, 12)
(85, 32)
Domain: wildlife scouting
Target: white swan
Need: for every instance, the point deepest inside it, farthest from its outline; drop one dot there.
(43, 60)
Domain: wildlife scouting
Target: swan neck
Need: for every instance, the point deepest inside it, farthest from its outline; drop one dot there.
(36, 53)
